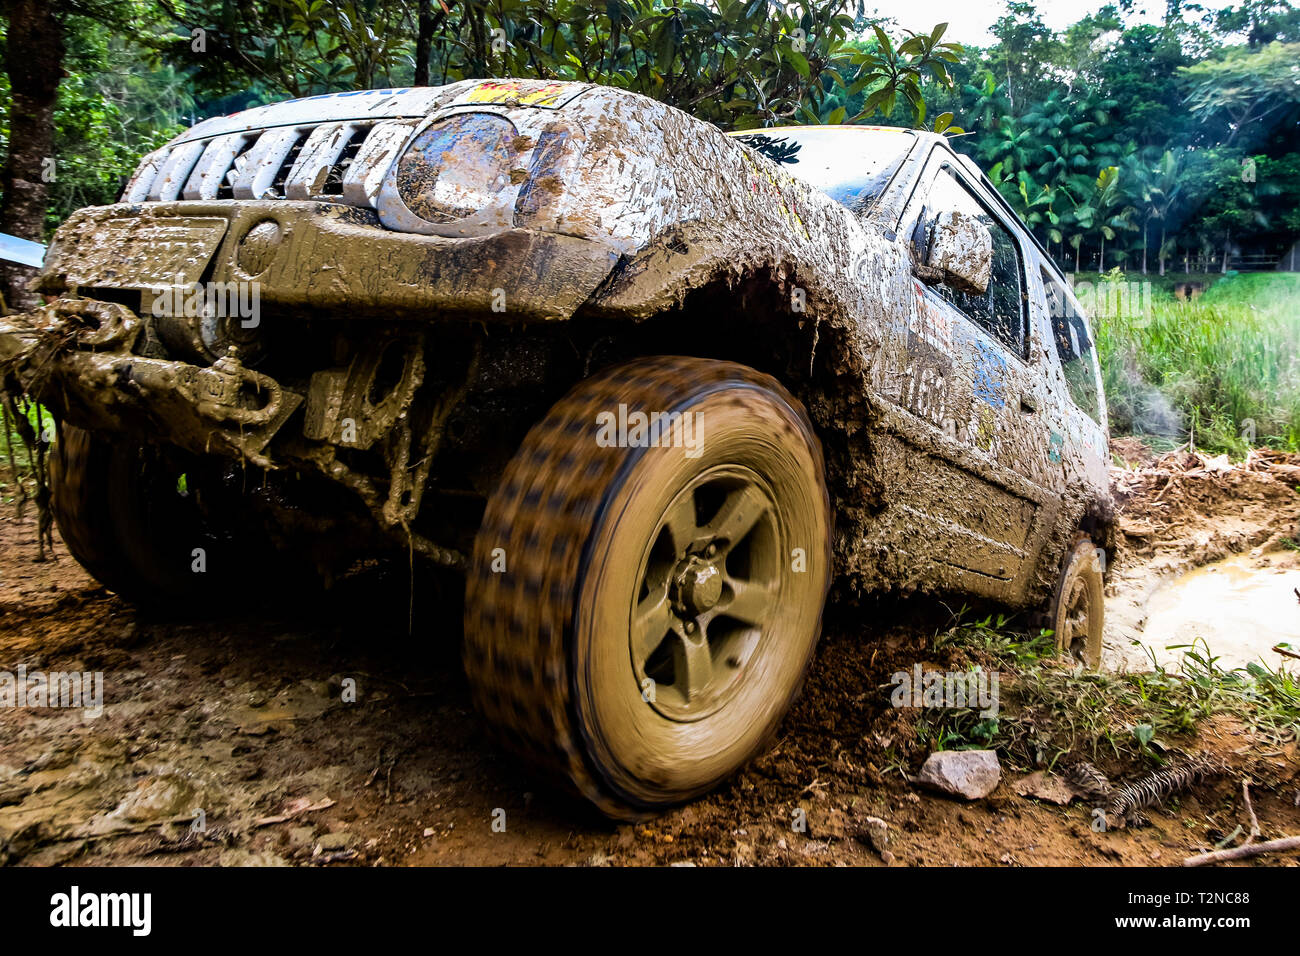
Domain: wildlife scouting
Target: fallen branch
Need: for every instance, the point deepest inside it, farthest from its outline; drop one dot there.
(1244, 852)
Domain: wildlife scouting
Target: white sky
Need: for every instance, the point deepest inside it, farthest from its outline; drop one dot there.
(969, 20)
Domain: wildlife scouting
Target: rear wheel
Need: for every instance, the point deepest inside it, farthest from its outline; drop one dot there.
(1078, 607)
(639, 618)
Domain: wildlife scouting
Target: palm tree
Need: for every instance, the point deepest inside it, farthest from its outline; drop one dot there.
(1110, 214)
(1166, 190)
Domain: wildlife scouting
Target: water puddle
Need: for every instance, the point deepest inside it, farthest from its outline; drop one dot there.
(1241, 607)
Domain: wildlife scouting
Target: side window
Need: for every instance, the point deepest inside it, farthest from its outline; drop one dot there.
(1074, 347)
(1000, 310)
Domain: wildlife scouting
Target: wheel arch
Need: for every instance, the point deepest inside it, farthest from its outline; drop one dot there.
(753, 317)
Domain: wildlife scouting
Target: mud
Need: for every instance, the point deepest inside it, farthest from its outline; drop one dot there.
(1239, 608)
(1180, 514)
(243, 718)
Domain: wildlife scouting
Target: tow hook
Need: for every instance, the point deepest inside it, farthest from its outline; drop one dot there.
(227, 391)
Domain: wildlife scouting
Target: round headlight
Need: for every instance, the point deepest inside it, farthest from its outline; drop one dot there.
(457, 167)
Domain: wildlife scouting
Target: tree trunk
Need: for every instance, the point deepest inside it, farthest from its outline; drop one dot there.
(1076, 259)
(423, 43)
(1101, 260)
(1161, 253)
(1144, 247)
(1227, 238)
(34, 62)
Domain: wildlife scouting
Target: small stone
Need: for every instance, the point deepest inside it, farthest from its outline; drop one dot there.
(875, 832)
(972, 774)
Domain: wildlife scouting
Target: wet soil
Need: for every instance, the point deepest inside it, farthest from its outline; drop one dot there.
(1208, 555)
(243, 717)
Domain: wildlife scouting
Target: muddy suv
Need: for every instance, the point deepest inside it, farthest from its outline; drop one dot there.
(652, 387)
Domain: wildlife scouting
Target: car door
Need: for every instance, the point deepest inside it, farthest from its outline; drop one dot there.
(969, 388)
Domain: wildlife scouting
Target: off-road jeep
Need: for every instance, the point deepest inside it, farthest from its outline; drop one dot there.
(652, 387)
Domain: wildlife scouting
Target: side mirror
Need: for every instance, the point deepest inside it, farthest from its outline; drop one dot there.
(960, 251)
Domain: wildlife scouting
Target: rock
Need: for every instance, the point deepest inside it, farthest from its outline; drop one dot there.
(875, 833)
(302, 836)
(1044, 786)
(972, 774)
(341, 840)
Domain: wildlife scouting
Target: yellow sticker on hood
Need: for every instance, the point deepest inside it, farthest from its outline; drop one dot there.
(524, 92)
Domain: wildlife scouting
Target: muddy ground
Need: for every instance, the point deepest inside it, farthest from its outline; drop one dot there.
(242, 717)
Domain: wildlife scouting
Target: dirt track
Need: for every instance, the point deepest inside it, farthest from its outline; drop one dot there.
(242, 717)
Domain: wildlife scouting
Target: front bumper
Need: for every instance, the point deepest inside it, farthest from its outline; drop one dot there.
(329, 259)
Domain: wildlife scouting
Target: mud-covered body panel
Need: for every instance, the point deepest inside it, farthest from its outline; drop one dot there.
(957, 464)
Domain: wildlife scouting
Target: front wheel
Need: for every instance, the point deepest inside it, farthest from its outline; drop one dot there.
(647, 585)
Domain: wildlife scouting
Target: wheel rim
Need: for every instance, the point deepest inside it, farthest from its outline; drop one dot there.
(1080, 609)
(709, 579)
(1075, 628)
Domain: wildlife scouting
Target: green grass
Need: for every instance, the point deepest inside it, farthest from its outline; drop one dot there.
(1050, 711)
(1209, 368)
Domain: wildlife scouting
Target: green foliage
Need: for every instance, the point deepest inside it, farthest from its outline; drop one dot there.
(895, 74)
(1245, 85)
(1200, 128)
(738, 63)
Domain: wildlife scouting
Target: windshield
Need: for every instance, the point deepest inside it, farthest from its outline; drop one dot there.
(851, 164)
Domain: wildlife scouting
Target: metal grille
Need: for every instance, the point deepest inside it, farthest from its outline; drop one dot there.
(340, 162)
